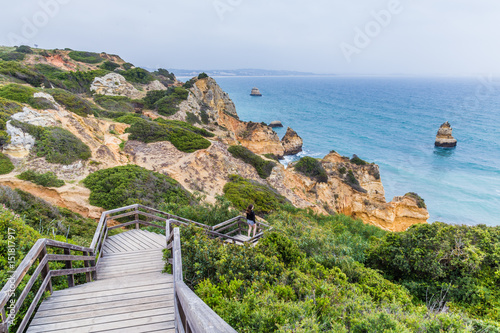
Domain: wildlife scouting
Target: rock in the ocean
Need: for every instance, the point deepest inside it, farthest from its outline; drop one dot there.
(444, 137)
(292, 142)
(275, 123)
(255, 92)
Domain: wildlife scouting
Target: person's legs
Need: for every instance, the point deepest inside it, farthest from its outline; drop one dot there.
(254, 229)
(249, 228)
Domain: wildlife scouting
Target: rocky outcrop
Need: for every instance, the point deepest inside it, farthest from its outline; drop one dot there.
(260, 138)
(292, 142)
(360, 195)
(114, 84)
(255, 92)
(20, 144)
(444, 137)
(275, 124)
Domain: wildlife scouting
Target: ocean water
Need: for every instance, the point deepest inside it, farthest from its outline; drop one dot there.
(393, 122)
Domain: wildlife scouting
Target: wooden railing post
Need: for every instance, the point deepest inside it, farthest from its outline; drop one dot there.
(137, 218)
(69, 265)
(88, 275)
(45, 271)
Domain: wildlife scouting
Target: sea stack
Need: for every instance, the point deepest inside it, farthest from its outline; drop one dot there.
(292, 142)
(275, 123)
(444, 138)
(255, 92)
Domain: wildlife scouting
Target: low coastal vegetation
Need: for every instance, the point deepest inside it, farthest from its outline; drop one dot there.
(72, 102)
(183, 136)
(131, 184)
(312, 274)
(263, 167)
(312, 168)
(56, 144)
(48, 179)
(86, 57)
(418, 198)
(165, 102)
(115, 103)
(242, 192)
(6, 165)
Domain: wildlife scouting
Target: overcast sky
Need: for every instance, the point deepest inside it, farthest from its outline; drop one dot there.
(423, 37)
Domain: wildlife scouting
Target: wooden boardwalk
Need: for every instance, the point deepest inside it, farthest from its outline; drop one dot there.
(130, 293)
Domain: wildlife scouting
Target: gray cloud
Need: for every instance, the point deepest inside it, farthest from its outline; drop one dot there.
(451, 37)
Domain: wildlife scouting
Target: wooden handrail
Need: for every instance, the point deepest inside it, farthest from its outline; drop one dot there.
(188, 305)
(39, 252)
(191, 313)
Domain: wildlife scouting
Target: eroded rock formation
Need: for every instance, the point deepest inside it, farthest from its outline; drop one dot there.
(114, 84)
(292, 142)
(444, 137)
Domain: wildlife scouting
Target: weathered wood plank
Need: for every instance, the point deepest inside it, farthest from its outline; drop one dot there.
(135, 318)
(134, 242)
(164, 327)
(220, 225)
(147, 238)
(54, 243)
(91, 313)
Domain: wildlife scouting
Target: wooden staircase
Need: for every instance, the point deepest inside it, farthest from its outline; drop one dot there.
(130, 293)
(125, 289)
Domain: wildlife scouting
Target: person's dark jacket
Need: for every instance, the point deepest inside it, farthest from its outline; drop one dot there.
(251, 216)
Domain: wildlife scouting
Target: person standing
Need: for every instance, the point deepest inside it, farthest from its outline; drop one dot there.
(251, 220)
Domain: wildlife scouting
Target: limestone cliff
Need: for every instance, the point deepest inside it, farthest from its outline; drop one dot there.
(350, 189)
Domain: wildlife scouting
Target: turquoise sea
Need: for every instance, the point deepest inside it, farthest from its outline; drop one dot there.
(393, 122)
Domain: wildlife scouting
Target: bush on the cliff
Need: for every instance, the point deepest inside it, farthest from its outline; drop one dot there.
(202, 76)
(12, 56)
(86, 57)
(56, 144)
(75, 82)
(263, 167)
(130, 184)
(19, 93)
(115, 103)
(182, 135)
(6, 165)
(129, 118)
(109, 65)
(7, 109)
(243, 192)
(72, 102)
(48, 179)
(456, 264)
(127, 65)
(313, 168)
(137, 75)
(19, 71)
(24, 49)
(418, 198)
(356, 160)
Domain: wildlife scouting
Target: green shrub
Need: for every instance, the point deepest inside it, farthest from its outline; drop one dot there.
(418, 198)
(166, 102)
(192, 118)
(109, 65)
(7, 108)
(243, 192)
(86, 57)
(263, 167)
(115, 103)
(186, 126)
(182, 135)
(19, 71)
(352, 181)
(48, 179)
(204, 116)
(456, 262)
(313, 168)
(272, 157)
(24, 49)
(356, 160)
(137, 75)
(129, 119)
(342, 170)
(13, 56)
(202, 76)
(46, 218)
(72, 102)
(6, 165)
(19, 93)
(127, 66)
(126, 185)
(75, 82)
(189, 84)
(56, 144)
